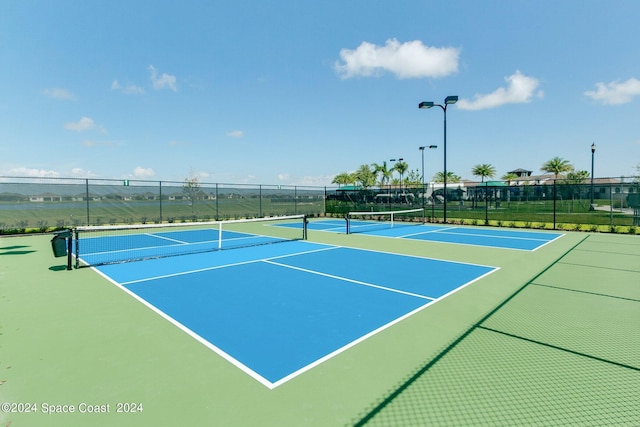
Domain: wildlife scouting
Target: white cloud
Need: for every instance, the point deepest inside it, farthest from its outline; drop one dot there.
(58, 93)
(84, 124)
(615, 92)
(245, 179)
(235, 134)
(314, 181)
(406, 60)
(174, 143)
(165, 80)
(520, 89)
(92, 143)
(307, 180)
(127, 89)
(81, 173)
(140, 172)
(40, 173)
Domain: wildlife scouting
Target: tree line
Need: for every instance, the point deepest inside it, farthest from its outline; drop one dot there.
(383, 174)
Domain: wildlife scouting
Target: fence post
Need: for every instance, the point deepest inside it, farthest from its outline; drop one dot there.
(217, 212)
(486, 205)
(324, 202)
(611, 187)
(160, 185)
(86, 183)
(554, 204)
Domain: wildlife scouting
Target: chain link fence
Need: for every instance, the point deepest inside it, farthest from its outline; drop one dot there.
(604, 205)
(42, 204)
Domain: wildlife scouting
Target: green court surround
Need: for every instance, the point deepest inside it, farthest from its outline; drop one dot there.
(551, 338)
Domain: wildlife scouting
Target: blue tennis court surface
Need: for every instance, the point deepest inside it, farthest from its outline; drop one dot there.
(278, 310)
(444, 233)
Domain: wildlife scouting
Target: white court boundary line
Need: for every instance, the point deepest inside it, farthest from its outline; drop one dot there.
(444, 231)
(345, 279)
(253, 374)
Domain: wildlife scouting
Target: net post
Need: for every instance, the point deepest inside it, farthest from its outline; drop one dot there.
(346, 218)
(77, 237)
(69, 249)
(220, 235)
(305, 221)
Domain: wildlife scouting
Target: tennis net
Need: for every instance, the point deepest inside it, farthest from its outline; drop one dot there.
(99, 245)
(362, 222)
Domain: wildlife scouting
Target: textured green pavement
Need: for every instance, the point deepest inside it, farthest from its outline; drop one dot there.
(565, 350)
(550, 338)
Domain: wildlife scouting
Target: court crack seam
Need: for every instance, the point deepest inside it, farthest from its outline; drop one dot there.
(599, 267)
(586, 292)
(555, 347)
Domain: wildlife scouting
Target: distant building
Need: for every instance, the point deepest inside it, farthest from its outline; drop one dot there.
(527, 185)
(521, 172)
(604, 188)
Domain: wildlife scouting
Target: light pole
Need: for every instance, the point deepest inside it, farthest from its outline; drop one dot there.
(593, 153)
(424, 193)
(425, 105)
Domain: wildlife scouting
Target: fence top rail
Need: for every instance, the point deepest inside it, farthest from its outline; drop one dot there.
(133, 182)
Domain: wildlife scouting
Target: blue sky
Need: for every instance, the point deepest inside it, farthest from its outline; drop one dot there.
(296, 91)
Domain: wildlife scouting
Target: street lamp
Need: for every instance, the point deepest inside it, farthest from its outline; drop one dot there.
(593, 152)
(426, 105)
(424, 193)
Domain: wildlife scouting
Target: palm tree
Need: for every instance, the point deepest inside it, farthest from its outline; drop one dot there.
(384, 172)
(557, 165)
(451, 177)
(401, 167)
(343, 178)
(509, 177)
(365, 176)
(484, 170)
